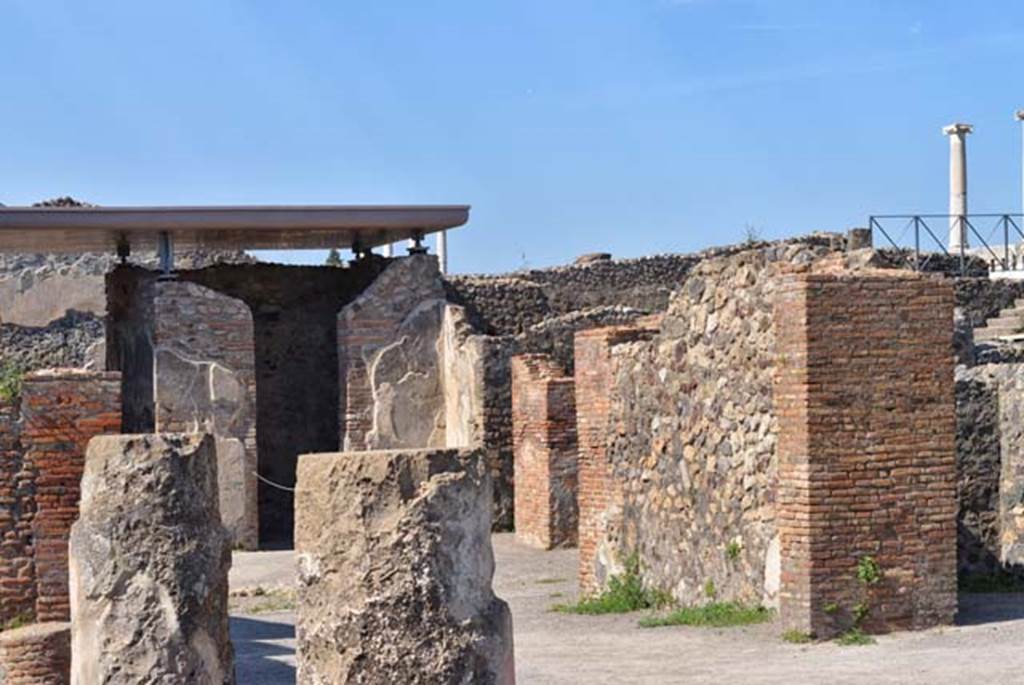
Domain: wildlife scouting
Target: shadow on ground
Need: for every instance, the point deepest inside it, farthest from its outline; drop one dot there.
(996, 607)
(264, 649)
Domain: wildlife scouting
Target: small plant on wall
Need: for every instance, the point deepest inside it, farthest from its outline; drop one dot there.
(869, 574)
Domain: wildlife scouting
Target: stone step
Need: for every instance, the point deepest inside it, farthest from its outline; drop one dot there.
(1004, 326)
(990, 335)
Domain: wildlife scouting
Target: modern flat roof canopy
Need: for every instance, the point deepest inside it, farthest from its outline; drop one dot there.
(102, 229)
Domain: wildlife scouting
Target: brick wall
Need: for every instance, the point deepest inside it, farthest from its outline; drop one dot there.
(61, 410)
(867, 463)
(39, 654)
(545, 452)
(597, 496)
(17, 505)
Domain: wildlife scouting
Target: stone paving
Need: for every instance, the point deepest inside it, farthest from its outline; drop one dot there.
(555, 648)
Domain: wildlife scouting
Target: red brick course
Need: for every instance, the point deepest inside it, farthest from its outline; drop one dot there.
(867, 463)
(39, 654)
(61, 410)
(545, 452)
(597, 491)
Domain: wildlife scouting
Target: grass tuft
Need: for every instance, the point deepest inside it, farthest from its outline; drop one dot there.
(715, 615)
(796, 637)
(11, 377)
(18, 621)
(625, 593)
(854, 637)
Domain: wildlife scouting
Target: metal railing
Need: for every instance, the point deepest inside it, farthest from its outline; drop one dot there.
(914, 236)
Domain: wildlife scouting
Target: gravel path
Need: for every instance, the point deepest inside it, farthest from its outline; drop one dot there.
(553, 648)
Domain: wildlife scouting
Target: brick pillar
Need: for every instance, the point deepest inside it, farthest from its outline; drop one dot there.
(62, 409)
(599, 499)
(545, 452)
(867, 462)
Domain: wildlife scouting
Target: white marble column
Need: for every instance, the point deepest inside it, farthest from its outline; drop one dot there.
(442, 251)
(957, 184)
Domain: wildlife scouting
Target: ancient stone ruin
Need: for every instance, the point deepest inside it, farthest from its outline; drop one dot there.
(149, 564)
(752, 424)
(395, 567)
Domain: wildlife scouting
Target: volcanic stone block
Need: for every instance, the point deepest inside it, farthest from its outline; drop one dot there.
(395, 568)
(149, 563)
(38, 654)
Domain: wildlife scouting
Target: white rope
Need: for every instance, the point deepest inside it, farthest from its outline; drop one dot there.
(273, 484)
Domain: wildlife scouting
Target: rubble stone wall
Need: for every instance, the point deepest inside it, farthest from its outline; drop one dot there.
(867, 456)
(17, 506)
(979, 460)
(1011, 469)
(546, 452)
(692, 442)
(62, 410)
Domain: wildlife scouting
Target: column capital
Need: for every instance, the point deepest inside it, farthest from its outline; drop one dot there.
(1019, 115)
(957, 129)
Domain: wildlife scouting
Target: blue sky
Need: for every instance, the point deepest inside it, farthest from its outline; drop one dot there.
(632, 127)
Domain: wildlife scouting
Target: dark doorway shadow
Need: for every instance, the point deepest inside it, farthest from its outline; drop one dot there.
(990, 607)
(260, 656)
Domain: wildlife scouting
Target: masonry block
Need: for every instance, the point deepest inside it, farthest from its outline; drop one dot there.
(62, 409)
(394, 570)
(546, 451)
(866, 450)
(149, 560)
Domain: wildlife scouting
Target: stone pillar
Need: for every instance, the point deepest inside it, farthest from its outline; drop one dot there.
(546, 451)
(38, 654)
(62, 409)
(442, 251)
(395, 568)
(866, 451)
(391, 396)
(957, 184)
(205, 380)
(149, 564)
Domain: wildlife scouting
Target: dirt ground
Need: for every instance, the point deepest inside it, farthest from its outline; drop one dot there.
(987, 645)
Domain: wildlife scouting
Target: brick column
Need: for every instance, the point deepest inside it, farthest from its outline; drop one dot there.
(545, 452)
(867, 463)
(599, 498)
(62, 409)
